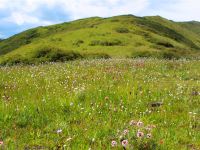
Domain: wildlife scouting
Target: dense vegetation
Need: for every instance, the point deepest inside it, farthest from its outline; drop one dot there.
(120, 36)
(96, 104)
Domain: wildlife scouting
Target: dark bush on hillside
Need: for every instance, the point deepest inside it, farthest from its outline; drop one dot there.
(97, 56)
(78, 42)
(145, 54)
(42, 53)
(63, 56)
(32, 34)
(170, 55)
(114, 42)
(165, 44)
(156, 54)
(122, 30)
(46, 54)
(56, 39)
(56, 55)
(114, 20)
(15, 60)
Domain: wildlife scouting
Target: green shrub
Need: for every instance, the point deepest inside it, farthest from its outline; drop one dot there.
(114, 42)
(56, 39)
(147, 54)
(15, 60)
(97, 56)
(52, 54)
(42, 53)
(114, 20)
(165, 44)
(78, 42)
(122, 30)
(170, 55)
(156, 54)
(45, 54)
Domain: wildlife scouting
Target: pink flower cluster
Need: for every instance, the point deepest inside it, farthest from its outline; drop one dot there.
(141, 132)
(114, 143)
(123, 142)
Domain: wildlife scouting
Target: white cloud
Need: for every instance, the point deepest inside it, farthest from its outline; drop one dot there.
(21, 12)
(104, 8)
(179, 10)
(186, 10)
(21, 18)
(2, 4)
(27, 11)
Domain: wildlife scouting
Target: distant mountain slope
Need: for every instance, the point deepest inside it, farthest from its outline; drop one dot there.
(193, 26)
(115, 36)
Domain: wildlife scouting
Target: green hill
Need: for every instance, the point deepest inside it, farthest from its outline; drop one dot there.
(120, 36)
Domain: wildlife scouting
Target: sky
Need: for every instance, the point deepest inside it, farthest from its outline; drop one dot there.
(20, 15)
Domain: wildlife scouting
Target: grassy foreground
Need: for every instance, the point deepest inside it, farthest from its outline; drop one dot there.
(89, 104)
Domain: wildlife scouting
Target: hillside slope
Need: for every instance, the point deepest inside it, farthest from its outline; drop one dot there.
(119, 36)
(193, 26)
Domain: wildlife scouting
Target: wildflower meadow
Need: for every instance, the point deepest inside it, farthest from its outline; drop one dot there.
(102, 104)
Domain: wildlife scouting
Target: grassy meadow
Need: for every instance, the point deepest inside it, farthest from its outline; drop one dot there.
(101, 104)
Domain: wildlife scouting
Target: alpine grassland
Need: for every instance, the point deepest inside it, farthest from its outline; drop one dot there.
(93, 104)
(119, 36)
